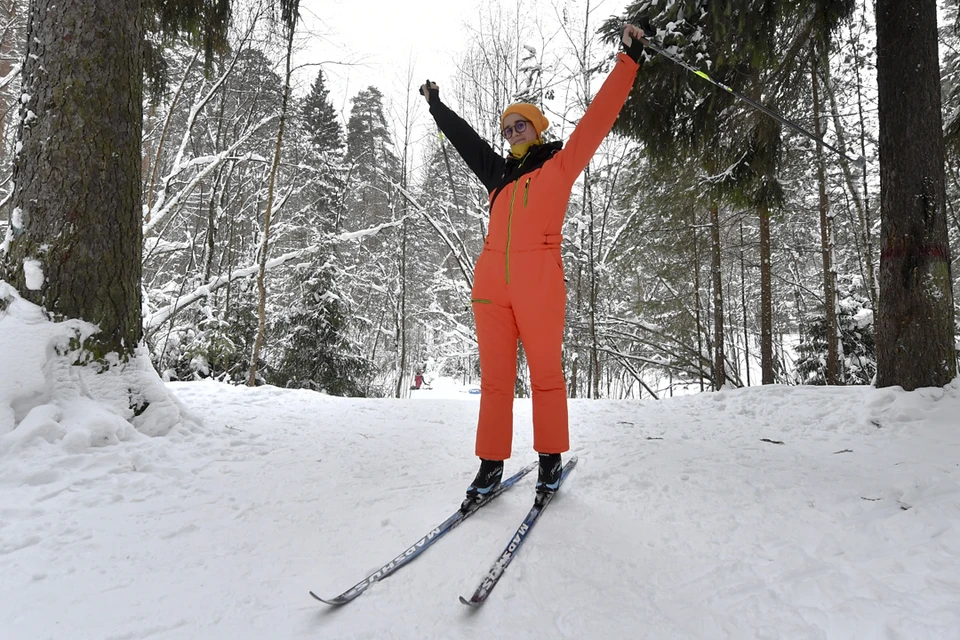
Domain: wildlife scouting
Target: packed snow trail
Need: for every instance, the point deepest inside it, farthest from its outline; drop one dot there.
(691, 521)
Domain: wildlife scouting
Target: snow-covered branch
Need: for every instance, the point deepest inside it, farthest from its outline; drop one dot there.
(155, 320)
(162, 210)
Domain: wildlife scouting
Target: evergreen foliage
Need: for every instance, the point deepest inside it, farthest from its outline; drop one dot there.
(320, 119)
(316, 354)
(857, 338)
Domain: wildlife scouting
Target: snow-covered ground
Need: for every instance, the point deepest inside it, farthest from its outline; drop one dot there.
(774, 512)
(679, 522)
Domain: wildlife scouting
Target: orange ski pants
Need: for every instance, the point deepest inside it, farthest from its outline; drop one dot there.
(530, 307)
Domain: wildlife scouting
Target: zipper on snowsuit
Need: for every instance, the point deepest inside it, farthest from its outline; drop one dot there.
(513, 197)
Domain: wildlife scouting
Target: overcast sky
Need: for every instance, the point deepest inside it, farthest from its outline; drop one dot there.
(376, 42)
(379, 42)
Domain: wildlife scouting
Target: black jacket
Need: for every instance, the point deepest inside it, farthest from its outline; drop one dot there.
(494, 171)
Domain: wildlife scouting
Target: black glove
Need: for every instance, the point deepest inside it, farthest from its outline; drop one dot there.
(434, 91)
(635, 50)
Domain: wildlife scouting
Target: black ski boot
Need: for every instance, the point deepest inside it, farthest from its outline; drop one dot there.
(548, 478)
(488, 479)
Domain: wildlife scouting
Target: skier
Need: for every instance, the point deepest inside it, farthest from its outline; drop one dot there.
(518, 290)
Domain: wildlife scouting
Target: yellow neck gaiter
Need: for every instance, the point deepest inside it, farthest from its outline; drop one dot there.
(520, 150)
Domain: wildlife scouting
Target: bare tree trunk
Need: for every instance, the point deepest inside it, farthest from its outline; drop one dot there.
(867, 222)
(585, 72)
(698, 301)
(862, 231)
(8, 14)
(915, 341)
(77, 239)
(733, 358)
(579, 314)
(265, 245)
(766, 300)
(826, 237)
(594, 286)
(151, 184)
(719, 369)
(402, 319)
(743, 305)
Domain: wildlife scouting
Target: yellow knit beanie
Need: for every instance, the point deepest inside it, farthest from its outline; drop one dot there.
(530, 112)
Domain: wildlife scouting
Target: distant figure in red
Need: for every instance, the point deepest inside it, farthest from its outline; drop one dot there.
(418, 380)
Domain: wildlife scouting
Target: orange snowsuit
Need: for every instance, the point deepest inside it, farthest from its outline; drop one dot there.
(518, 290)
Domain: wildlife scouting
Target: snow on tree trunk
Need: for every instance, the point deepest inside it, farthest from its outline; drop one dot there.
(76, 232)
(915, 341)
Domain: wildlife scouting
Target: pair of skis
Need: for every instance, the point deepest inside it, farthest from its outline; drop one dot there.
(496, 570)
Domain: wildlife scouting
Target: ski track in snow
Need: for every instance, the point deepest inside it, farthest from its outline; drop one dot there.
(680, 521)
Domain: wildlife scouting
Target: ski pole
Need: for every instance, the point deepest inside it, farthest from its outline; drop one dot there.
(859, 161)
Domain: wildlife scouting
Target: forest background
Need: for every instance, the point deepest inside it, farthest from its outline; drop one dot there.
(705, 245)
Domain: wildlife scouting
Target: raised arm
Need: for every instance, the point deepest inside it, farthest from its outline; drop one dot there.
(479, 156)
(604, 109)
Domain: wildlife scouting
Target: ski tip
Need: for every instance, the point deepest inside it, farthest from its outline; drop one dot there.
(332, 603)
(470, 603)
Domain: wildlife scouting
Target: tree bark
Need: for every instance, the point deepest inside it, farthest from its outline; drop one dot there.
(766, 300)
(594, 292)
(743, 306)
(402, 311)
(77, 242)
(719, 370)
(915, 341)
(826, 237)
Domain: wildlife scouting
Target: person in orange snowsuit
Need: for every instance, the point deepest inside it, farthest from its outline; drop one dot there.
(518, 290)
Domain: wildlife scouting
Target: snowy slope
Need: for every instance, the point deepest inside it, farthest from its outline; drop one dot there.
(679, 522)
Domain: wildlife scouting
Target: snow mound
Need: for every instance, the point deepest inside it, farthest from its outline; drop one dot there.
(44, 398)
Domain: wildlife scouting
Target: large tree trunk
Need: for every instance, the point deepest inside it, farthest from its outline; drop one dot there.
(915, 341)
(76, 247)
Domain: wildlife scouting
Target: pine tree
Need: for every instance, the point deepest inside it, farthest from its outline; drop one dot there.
(857, 339)
(915, 325)
(369, 151)
(320, 120)
(310, 334)
(316, 351)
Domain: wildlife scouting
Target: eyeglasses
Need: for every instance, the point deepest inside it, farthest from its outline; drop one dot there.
(519, 127)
